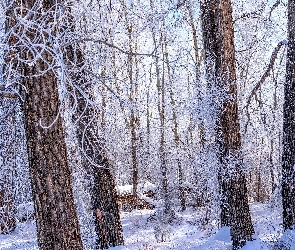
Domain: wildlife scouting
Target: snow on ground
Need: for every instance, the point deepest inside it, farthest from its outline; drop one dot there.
(23, 238)
(185, 234)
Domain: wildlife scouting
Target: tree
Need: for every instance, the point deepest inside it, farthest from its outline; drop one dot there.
(30, 58)
(91, 143)
(218, 37)
(133, 120)
(7, 164)
(175, 129)
(103, 193)
(288, 155)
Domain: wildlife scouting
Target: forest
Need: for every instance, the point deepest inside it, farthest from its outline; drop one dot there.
(147, 124)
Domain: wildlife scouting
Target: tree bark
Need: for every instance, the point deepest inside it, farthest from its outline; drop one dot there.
(218, 36)
(7, 165)
(103, 192)
(288, 154)
(56, 218)
(57, 223)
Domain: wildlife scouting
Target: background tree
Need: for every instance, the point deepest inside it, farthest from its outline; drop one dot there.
(7, 164)
(218, 36)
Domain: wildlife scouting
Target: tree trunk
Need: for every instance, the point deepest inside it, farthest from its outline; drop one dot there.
(148, 127)
(103, 192)
(198, 60)
(161, 111)
(57, 223)
(7, 165)
(288, 154)
(272, 174)
(56, 218)
(133, 120)
(218, 36)
(175, 131)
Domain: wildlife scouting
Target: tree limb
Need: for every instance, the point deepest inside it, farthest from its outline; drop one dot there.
(253, 14)
(273, 8)
(263, 78)
(112, 46)
(6, 94)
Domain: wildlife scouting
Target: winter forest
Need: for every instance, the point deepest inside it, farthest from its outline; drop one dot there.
(147, 124)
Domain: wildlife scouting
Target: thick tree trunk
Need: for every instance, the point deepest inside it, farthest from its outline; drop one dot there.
(288, 155)
(103, 192)
(56, 218)
(106, 207)
(57, 223)
(218, 36)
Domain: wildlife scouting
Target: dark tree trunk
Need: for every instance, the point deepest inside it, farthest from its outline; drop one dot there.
(288, 155)
(108, 222)
(218, 36)
(103, 192)
(56, 218)
(57, 223)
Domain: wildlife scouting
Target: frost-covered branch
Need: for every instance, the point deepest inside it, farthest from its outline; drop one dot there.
(263, 78)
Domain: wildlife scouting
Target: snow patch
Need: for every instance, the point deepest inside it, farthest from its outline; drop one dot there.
(126, 189)
(287, 241)
(256, 244)
(218, 241)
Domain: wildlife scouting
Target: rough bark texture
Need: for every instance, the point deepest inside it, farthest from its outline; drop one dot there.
(57, 223)
(109, 226)
(218, 36)
(103, 192)
(288, 155)
(56, 218)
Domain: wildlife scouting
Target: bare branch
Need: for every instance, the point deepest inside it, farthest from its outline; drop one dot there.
(263, 78)
(112, 46)
(273, 8)
(7, 94)
(179, 4)
(107, 87)
(253, 14)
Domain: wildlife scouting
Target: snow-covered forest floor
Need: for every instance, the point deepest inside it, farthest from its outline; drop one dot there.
(186, 233)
